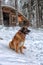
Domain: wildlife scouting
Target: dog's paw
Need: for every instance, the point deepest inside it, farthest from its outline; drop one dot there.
(24, 47)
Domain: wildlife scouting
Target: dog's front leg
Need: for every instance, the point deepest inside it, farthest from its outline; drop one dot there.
(23, 45)
(21, 49)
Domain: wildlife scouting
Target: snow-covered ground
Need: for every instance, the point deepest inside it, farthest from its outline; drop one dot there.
(33, 55)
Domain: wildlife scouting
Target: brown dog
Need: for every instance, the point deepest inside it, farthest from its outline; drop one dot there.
(17, 42)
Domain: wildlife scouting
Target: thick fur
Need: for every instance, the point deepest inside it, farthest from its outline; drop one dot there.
(17, 42)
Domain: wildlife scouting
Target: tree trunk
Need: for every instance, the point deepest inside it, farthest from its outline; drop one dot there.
(1, 15)
(16, 7)
(29, 10)
(37, 14)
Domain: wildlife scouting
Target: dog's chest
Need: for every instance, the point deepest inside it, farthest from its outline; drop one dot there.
(21, 44)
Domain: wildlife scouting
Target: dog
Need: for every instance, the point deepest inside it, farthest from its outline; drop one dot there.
(17, 42)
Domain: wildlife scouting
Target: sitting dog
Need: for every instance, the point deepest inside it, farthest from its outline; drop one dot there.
(17, 42)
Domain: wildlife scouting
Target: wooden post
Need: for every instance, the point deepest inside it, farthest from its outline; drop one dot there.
(1, 15)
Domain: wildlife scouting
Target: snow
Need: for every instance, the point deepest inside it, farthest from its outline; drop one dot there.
(33, 54)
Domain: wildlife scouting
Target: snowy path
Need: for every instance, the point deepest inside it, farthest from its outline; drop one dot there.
(33, 55)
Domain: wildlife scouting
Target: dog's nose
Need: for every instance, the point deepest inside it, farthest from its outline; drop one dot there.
(28, 30)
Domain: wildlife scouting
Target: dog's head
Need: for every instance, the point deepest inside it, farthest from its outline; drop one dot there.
(25, 30)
